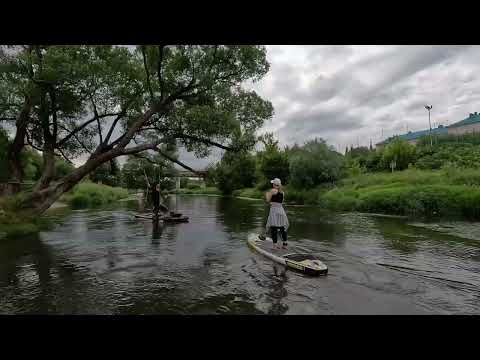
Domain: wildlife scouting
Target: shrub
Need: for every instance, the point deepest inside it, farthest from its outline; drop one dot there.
(400, 152)
(90, 194)
(315, 163)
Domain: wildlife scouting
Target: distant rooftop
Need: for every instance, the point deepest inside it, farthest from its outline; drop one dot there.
(413, 135)
(471, 119)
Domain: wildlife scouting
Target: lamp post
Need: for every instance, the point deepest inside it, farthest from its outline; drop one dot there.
(429, 123)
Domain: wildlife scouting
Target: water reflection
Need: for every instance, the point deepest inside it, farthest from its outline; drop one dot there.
(108, 262)
(395, 236)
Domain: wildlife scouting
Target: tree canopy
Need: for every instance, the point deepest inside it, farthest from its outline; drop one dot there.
(109, 101)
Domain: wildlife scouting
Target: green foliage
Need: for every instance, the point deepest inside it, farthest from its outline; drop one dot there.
(62, 168)
(184, 182)
(91, 195)
(400, 152)
(468, 138)
(193, 186)
(156, 169)
(356, 169)
(210, 176)
(251, 193)
(462, 155)
(339, 200)
(315, 163)
(451, 191)
(193, 91)
(272, 162)
(199, 191)
(14, 224)
(235, 171)
(108, 174)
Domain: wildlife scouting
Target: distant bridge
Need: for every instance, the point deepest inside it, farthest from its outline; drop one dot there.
(186, 174)
(178, 174)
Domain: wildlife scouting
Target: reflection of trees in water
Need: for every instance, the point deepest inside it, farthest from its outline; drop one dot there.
(157, 230)
(277, 291)
(397, 236)
(35, 280)
(239, 215)
(331, 232)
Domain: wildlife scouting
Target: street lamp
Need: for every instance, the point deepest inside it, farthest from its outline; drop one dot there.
(429, 124)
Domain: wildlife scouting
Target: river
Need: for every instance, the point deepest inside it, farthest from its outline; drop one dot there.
(108, 262)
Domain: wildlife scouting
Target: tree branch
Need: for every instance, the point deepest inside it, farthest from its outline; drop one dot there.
(81, 127)
(145, 158)
(168, 157)
(29, 142)
(112, 127)
(76, 138)
(140, 148)
(205, 141)
(65, 157)
(95, 112)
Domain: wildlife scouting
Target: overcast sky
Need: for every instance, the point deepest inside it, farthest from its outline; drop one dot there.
(349, 93)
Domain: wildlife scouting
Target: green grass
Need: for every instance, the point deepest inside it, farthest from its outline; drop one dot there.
(251, 193)
(447, 192)
(14, 224)
(198, 191)
(87, 194)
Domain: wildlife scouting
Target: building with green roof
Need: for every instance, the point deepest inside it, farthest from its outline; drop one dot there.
(467, 125)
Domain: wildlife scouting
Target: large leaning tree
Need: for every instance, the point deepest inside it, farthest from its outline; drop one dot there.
(103, 102)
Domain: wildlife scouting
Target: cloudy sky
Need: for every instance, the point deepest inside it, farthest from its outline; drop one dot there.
(354, 94)
(347, 94)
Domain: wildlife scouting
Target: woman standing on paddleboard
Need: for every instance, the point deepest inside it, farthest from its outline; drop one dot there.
(277, 218)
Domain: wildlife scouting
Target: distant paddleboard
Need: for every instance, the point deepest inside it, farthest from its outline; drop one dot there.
(174, 219)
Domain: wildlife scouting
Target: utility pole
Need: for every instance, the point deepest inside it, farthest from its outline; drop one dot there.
(429, 123)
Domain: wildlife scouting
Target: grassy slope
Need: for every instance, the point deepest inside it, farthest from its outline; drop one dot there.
(410, 192)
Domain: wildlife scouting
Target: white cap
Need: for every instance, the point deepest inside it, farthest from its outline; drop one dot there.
(276, 181)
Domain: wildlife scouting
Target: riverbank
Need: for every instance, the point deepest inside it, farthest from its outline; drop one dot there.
(87, 194)
(441, 193)
(14, 223)
(435, 193)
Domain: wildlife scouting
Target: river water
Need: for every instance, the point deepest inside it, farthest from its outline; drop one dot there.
(108, 262)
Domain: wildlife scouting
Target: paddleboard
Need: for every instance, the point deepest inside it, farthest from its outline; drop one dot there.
(164, 218)
(299, 261)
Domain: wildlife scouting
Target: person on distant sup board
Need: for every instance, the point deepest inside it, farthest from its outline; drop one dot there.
(155, 190)
(277, 218)
(157, 206)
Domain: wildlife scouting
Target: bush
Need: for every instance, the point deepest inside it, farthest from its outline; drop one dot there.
(235, 171)
(461, 155)
(315, 163)
(91, 195)
(251, 193)
(193, 186)
(339, 200)
(400, 152)
(405, 199)
(273, 163)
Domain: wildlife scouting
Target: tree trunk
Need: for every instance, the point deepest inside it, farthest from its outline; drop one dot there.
(14, 160)
(42, 198)
(48, 170)
(46, 192)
